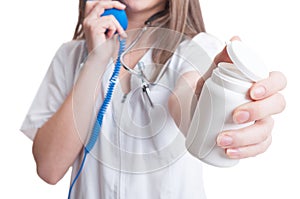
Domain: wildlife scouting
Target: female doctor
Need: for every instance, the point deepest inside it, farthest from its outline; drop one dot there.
(142, 158)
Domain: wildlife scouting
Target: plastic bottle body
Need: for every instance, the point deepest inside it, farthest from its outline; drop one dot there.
(225, 90)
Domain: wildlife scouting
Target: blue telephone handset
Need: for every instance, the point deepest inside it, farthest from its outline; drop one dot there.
(120, 15)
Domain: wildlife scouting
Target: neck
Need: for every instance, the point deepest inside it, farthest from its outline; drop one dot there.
(136, 20)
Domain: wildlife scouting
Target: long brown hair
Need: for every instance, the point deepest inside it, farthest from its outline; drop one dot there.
(184, 17)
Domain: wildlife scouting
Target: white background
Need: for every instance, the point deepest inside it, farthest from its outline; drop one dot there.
(31, 32)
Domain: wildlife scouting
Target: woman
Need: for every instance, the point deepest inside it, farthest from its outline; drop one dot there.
(126, 163)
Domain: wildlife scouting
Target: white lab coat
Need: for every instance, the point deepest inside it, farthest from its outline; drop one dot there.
(140, 152)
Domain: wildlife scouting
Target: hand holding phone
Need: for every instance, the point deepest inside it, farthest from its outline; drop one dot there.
(98, 27)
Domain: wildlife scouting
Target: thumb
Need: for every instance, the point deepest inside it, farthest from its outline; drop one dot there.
(235, 38)
(223, 55)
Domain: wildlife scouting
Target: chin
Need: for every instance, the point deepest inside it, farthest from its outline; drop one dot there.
(143, 5)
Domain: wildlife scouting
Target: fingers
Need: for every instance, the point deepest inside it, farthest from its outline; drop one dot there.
(235, 38)
(97, 28)
(249, 141)
(111, 26)
(265, 88)
(257, 110)
(249, 151)
(250, 135)
(256, 138)
(268, 100)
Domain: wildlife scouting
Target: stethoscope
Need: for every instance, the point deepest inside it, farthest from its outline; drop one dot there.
(140, 74)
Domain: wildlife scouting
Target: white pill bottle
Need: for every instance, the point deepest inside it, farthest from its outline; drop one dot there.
(226, 89)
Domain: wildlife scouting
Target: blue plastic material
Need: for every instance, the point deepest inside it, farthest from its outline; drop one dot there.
(120, 15)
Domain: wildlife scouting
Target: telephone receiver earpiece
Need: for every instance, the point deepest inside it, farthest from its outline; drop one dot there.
(120, 15)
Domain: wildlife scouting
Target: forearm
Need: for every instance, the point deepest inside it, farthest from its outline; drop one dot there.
(181, 99)
(57, 144)
(60, 140)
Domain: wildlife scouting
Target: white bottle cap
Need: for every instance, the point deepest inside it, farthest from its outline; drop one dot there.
(247, 61)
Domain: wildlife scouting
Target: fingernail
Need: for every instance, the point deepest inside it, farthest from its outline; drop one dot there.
(224, 140)
(241, 117)
(233, 153)
(258, 92)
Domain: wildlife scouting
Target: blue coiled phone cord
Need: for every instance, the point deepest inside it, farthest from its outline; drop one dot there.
(98, 123)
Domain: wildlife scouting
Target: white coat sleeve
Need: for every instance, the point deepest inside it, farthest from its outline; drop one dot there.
(53, 89)
(196, 54)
